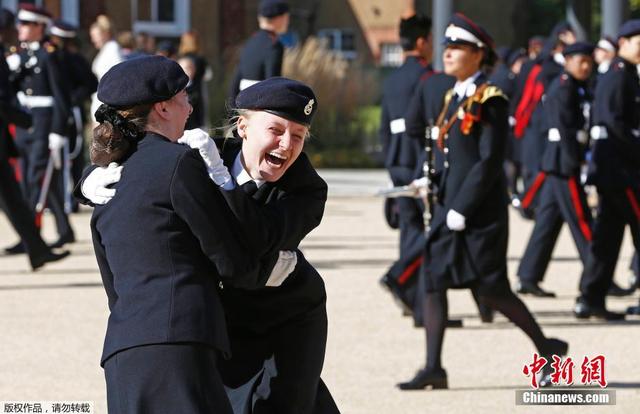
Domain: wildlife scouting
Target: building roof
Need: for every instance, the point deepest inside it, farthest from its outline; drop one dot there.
(378, 20)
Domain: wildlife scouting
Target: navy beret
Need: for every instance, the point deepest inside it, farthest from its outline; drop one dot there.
(144, 80)
(273, 8)
(560, 28)
(412, 28)
(607, 43)
(515, 55)
(284, 97)
(629, 28)
(578, 48)
(7, 18)
(61, 28)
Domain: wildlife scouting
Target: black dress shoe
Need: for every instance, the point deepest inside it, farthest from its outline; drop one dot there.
(616, 290)
(436, 379)
(15, 249)
(633, 310)
(533, 289)
(553, 347)
(64, 239)
(38, 262)
(584, 310)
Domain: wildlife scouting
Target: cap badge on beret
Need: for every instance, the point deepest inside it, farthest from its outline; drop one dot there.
(309, 108)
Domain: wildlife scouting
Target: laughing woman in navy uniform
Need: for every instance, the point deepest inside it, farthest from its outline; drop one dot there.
(467, 242)
(277, 333)
(163, 245)
(261, 57)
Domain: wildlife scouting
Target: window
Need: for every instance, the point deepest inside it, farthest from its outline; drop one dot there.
(390, 54)
(342, 41)
(161, 17)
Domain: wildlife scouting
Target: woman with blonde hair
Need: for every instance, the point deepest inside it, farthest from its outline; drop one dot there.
(102, 33)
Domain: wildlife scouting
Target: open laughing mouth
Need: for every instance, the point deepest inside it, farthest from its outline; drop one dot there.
(275, 160)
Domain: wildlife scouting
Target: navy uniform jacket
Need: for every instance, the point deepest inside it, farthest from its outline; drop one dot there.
(40, 75)
(563, 107)
(473, 184)
(80, 79)
(504, 79)
(7, 147)
(423, 112)
(163, 245)
(261, 309)
(261, 58)
(401, 153)
(616, 154)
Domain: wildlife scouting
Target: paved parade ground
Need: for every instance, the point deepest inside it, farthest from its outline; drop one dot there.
(52, 322)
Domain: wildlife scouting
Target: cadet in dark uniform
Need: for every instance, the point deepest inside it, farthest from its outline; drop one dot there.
(18, 212)
(467, 242)
(164, 244)
(42, 91)
(403, 155)
(562, 198)
(261, 56)
(82, 83)
(277, 334)
(615, 171)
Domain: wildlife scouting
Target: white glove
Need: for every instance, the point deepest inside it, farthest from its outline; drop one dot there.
(200, 140)
(95, 185)
(420, 185)
(56, 142)
(284, 266)
(455, 221)
(14, 61)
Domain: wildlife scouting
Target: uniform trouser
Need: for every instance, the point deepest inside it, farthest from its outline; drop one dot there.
(411, 224)
(34, 155)
(19, 214)
(561, 200)
(165, 378)
(618, 208)
(298, 349)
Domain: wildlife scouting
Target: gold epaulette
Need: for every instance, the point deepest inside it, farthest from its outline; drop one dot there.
(50, 47)
(13, 49)
(492, 91)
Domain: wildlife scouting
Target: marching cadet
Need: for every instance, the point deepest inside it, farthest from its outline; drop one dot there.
(402, 154)
(18, 212)
(467, 242)
(615, 171)
(562, 198)
(261, 56)
(82, 83)
(41, 89)
(529, 121)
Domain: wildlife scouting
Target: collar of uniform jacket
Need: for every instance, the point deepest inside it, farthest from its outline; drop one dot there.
(240, 174)
(464, 88)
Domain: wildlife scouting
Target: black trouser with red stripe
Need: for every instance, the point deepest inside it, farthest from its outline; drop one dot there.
(618, 208)
(561, 200)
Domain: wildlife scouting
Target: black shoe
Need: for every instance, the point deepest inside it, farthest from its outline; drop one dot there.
(557, 347)
(633, 310)
(454, 323)
(38, 262)
(533, 289)
(436, 379)
(583, 310)
(64, 239)
(486, 313)
(15, 249)
(616, 290)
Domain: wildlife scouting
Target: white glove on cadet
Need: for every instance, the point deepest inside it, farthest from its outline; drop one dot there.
(420, 185)
(200, 140)
(455, 221)
(56, 142)
(95, 185)
(284, 266)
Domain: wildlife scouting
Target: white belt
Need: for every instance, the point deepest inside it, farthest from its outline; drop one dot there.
(30, 101)
(245, 83)
(397, 126)
(553, 135)
(599, 132)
